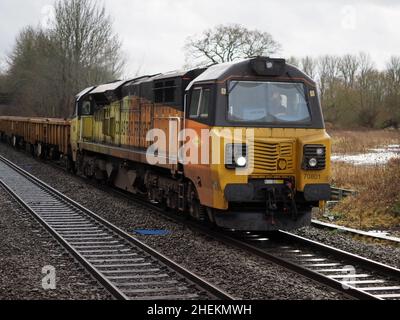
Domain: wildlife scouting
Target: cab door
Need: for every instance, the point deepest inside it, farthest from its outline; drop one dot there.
(86, 128)
(198, 119)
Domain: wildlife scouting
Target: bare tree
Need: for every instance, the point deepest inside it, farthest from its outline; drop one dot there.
(371, 93)
(368, 81)
(3, 92)
(327, 72)
(47, 68)
(393, 71)
(392, 100)
(294, 61)
(366, 66)
(2, 67)
(227, 43)
(348, 67)
(31, 75)
(88, 50)
(309, 66)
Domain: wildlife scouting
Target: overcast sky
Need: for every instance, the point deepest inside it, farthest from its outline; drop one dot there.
(154, 31)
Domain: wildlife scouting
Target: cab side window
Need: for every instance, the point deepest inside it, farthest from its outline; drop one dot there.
(200, 103)
(86, 109)
(194, 103)
(205, 103)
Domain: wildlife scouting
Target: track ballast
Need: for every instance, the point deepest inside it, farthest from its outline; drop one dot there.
(128, 268)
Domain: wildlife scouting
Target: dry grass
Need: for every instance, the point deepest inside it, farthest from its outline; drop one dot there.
(348, 142)
(377, 204)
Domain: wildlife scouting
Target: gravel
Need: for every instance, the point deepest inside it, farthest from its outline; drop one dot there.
(238, 273)
(25, 248)
(383, 253)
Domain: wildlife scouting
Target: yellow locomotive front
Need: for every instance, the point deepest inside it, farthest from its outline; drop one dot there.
(266, 122)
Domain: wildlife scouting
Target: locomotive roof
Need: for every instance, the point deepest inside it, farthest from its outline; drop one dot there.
(84, 92)
(250, 67)
(171, 74)
(167, 75)
(106, 93)
(139, 80)
(109, 86)
(213, 73)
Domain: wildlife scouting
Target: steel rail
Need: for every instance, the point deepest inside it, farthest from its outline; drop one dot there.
(65, 226)
(356, 232)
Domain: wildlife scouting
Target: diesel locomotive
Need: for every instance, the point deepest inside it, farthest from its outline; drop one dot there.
(265, 154)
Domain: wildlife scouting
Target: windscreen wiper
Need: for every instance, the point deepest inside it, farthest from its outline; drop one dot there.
(233, 87)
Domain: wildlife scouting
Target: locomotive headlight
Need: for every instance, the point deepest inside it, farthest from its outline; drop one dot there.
(241, 162)
(235, 156)
(313, 162)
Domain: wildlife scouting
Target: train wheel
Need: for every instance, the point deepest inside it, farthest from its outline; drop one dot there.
(197, 211)
(70, 165)
(38, 150)
(32, 150)
(172, 200)
(151, 196)
(211, 215)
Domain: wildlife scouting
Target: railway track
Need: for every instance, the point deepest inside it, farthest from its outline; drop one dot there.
(126, 267)
(350, 274)
(356, 232)
(354, 276)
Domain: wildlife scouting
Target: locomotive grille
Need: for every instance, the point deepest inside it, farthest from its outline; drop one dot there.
(267, 155)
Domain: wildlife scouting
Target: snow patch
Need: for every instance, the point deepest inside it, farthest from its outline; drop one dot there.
(378, 156)
(379, 233)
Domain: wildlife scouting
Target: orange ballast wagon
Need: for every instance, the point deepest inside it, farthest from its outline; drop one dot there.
(39, 135)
